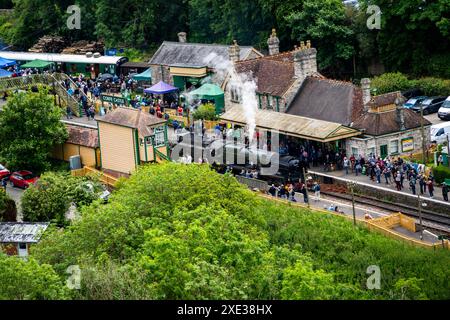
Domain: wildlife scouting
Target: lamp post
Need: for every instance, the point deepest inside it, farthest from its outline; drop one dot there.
(423, 135)
(351, 185)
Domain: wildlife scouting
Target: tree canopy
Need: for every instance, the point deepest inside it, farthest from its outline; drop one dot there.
(30, 127)
(412, 31)
(177, 231)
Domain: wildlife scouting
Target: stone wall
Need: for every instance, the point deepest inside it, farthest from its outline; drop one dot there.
(161, 73)
(364, 145)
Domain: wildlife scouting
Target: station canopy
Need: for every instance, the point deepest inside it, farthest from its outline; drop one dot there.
(39, 64)
(291, 125)
(143, 76)
(6, 62)
(161, 88)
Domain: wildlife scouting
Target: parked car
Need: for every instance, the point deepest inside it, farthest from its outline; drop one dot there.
(4, 173)
(439, 132)
(430, 105)
(444, 110)
(22, 179)
(414, 102)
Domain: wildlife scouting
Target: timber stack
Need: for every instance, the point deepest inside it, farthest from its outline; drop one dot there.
(50, 44)
(82, 47)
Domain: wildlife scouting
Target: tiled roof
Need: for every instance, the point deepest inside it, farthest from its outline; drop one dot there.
(272, 76)
(380, 123)
(21, 232)
(132, 118)
(82, 136)
(191, 54)
(328, 100)
(385, 99)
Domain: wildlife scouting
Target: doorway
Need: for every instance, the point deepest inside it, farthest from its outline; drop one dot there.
(383, 151)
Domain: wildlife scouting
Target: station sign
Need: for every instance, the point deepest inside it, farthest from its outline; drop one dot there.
(113, 99)
(408, 144)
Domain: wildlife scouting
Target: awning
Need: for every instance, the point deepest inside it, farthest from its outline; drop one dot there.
(195, 72)
(291, 125)
(161, 88)
(39, 64)
(4, 73)
(208, 89)
(7, 63)
(144, 76)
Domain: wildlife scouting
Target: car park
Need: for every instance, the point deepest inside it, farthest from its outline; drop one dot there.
(444, 110)
(22, 179)
(414, 102)
(429, 105)
(4, 173)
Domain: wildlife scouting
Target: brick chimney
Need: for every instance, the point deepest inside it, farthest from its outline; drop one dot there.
(365, 86)
(182, 37)
(274, 43)
(305, 61)
(234, 51)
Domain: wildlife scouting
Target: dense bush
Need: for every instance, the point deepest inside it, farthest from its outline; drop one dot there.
(389, 82)
(205, 112)
(184, 232)
(50, 199)
(441, 173)
(8, 211)
(25, 280)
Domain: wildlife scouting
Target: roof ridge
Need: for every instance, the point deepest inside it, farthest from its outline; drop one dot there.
(203, 44)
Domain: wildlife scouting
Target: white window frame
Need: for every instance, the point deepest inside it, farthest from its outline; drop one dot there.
(391, 152)
(357, 151)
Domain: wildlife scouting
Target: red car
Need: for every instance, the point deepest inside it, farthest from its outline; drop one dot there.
(4, 173)
(22, 179)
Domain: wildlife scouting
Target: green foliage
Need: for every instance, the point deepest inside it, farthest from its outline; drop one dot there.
(25, 280)
(50, 199)
(177, 231)
(440, 173)
(409, 289)
(8, 211)
(205, 112)
(323, 22)
(390, 82)
(29, 128)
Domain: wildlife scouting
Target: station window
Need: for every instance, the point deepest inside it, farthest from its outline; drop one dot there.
(159, 137)
(393, 146)
(355, 151)
(235, 94)
(370, 151)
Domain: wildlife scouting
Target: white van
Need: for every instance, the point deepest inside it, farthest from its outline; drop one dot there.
(439, 132)
(444, 110)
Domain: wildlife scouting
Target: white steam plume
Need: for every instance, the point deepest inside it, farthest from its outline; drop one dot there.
(244, 83)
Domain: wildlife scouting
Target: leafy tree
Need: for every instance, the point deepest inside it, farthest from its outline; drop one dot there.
(177, 231)
(8, 211)
(25, 280)
(205, 112)
(50, 199)
(325, 24)
(29, 128)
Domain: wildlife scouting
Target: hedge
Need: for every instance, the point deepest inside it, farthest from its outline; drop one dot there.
(390, 82)
(441, 173)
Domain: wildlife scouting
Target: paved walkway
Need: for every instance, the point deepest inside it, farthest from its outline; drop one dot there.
(366, 179)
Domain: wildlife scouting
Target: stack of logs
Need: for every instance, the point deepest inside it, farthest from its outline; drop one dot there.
(50, 44)
(56, 44)
(83, 46)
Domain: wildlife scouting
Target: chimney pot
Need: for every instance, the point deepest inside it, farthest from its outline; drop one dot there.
(234, 51)
(182, 37)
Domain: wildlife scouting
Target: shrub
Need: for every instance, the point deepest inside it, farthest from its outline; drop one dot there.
(432, 86)
(8, 211)
(441, 173)
(205, 112)
(389, 82)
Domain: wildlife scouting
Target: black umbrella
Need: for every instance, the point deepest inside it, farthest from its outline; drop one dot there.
(105, 76)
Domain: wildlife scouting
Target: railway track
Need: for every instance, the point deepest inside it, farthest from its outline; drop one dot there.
(432, 220)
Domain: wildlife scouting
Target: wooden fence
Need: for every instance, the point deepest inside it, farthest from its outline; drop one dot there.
(85, 171)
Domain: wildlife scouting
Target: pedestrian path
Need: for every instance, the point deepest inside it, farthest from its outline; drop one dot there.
(366, 180)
